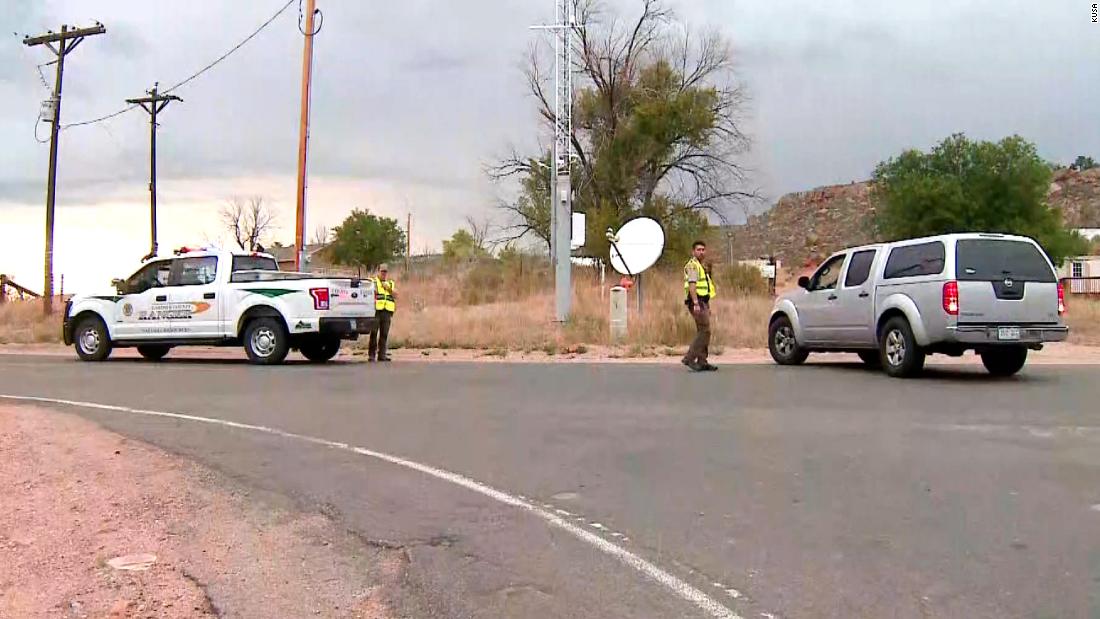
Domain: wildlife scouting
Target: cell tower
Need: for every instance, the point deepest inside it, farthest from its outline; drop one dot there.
(561, 190)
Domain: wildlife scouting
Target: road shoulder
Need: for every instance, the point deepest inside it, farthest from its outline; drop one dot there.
(74, 498)
(1052, 354)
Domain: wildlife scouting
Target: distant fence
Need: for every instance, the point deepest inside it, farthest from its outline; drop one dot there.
(9, 290)
(1082, 285)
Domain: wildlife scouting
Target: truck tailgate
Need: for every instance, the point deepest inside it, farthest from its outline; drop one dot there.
(1004, 281)
(344, 300)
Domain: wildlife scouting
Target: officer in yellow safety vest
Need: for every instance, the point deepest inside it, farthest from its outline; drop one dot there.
(700, 290)
(385, 304)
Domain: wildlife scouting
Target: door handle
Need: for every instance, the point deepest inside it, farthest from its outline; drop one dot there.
(832, 297)
(162, 297)
(209, 295)
(864, 295)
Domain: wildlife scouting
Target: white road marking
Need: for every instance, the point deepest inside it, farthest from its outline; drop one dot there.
(730, 591)
(678, 587)
(1036, 431)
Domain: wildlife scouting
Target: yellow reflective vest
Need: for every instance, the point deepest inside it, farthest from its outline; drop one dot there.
(383, 295)
(704, 286)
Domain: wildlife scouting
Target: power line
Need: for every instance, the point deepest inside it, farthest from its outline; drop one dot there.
(235, 48)
(196, 74)
(96, 120)
(37, 66)
(42, 76)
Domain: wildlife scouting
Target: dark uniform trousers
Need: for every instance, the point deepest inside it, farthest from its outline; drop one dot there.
(380, 335)
(700, 346)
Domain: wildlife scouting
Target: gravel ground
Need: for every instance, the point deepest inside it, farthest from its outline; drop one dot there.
(73, 497)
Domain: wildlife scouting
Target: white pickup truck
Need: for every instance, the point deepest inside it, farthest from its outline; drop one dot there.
(221, 298)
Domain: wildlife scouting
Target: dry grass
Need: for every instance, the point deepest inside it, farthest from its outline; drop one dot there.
(22, 322)
(503, 306)
(1083, 317)
(500, 307)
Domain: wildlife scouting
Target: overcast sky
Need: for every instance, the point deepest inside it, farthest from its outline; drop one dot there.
(413, 98)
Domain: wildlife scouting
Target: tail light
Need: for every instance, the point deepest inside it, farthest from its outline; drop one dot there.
(1061, 299)
(320, 298)
(951, 298)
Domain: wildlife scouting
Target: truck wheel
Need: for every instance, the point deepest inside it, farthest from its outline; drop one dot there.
(266, 341)
(899, 354)
(1004, 361)
(320, 350)
(91, 340)
(870, 358)
(783, 345)
(153, 352)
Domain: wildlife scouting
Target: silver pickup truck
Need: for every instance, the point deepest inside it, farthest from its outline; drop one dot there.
(895, 303)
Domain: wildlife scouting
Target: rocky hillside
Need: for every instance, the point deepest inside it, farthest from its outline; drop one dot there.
(807, 226)
(1078, 195)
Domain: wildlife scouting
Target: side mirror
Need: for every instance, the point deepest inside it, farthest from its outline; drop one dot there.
(120, 286)
(804, 282)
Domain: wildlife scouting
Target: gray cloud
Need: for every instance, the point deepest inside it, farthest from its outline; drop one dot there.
(421, 94)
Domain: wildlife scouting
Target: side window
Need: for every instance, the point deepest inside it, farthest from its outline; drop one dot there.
(196, 271)
(860, 268)
(152, 275)
(828, 275)
(914, 260)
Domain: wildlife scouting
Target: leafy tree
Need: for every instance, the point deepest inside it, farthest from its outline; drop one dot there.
(657, 127)
(1083, 163)
(967, 186)
(366, 240)
(531, 209)
(462, 247)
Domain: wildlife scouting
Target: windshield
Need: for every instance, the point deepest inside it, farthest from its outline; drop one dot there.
(254, 263)
(994, 259)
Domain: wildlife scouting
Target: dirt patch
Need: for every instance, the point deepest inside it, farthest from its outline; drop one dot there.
(74, 497)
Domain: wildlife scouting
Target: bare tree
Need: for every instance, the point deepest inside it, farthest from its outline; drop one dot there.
(321, 236)
(480, 229)
(248, 222)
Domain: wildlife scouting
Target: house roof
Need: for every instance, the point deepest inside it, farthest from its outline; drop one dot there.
(285, 253)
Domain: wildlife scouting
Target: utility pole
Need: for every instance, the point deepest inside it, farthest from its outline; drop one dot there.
(561, 190)
(303, 133)
(408, 242)
(60, 43)
(153, 104)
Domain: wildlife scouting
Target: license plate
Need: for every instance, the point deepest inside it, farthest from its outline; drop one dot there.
(1008, 333)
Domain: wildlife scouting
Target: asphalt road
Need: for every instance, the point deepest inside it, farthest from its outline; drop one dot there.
(821, 491)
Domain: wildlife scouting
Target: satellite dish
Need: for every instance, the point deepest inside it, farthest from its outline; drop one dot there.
(637, 245)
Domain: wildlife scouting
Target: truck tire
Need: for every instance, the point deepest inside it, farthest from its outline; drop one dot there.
(266, 341)
(1004, 361)
(321, 349)
(91, 340)
(782, 344)
(153, 352)
(898, 351)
